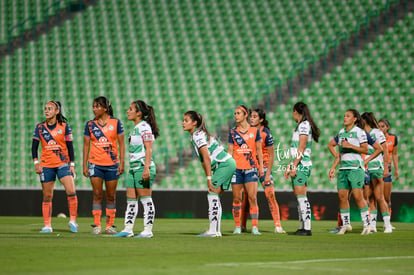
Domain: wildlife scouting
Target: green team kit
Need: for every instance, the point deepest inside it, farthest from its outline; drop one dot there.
(304, 167)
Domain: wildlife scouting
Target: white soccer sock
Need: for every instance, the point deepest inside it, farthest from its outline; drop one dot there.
(305, 211)
(373, 219)
(365, 216)
(214, 212)
(300, 217)
(149, 213)
(387, 221)
(131, 213)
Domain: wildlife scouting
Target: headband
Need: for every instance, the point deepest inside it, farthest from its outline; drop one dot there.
(55, 103)
(241, 107)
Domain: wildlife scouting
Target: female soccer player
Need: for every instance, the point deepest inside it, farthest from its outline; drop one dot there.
(392, 142)
(300, 166)
(57, 159)
(142, 169)
(352, 143)
(258, 120)
(245, 145)
(218, 166)
(377, 173)
(102, 162)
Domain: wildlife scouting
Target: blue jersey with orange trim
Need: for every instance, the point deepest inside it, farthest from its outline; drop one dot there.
(104, 138)
(53, 140)
(267, 142)
(244, 150)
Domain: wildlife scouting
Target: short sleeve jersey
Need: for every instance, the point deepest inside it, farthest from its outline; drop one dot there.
(104, 147)
(141, 133)
(53, 141)
(267, 142)
(351, 159)
(244, 147)
(378, 162)
(303, 128)
(215, 150)
(392, 142)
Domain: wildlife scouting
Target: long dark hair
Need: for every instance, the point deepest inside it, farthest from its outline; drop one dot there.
(104, 102)
(148, 115)
(262, 115)
(245, 109)
(386, 122)
(370, 119)
(359, 122)
(201, 122)
(303, 110)
(59, 117)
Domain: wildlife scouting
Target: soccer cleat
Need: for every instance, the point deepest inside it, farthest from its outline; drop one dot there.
(73, 227)
(210, 234)
(303, 232)
(144, 235)
(46, 229)
(124, 234)
(255, 231)
(343, 229)
(96, 230)
(393, 227)
(279, 230)
(388, 229)
(110, 230)
(366, 230)
(237, 230)
(373, 230)
(243, 229)
(335, 230)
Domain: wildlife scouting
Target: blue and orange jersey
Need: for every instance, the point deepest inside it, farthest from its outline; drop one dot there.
(392, 142)
(53, 141)
(244, 150)
(267, 142)
(104, 138)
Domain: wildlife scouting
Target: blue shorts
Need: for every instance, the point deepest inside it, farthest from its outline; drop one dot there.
(264, 175)
(49, 174)
(242, 176)
(389, 178)
(367, 180)
(107, 173)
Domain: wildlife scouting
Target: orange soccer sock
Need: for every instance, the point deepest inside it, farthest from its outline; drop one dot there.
(273, 206)
(47, 213)
(73, 206)
(110, 215)
(97, 213)
(244, 209)
(254, 215)
(236, 213)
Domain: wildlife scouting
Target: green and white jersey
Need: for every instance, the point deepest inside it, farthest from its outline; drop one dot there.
(350, 159)
(215, 150)
(378, 162)
(141, 133)
(303, 128)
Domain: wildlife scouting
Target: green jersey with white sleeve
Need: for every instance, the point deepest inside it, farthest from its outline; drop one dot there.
(215, 150)
(141, 133)
(303, 128)
(378, 162)
(351, 159)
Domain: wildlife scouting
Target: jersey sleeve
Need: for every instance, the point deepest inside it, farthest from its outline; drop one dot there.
(336, 139)
(370, 139)
(120, 127)
(269, 142)
(231, 137)
(199, 139)
(36, 133)
(68, 133)
(258, 136)
(396, 141)
(362, 137)
(86, 132)
(381, 137)
(304, 128)
(146, 134)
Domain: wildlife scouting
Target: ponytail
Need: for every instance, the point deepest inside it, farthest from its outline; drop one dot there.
(59, 117)
(359, 122)
(104, 102)
(303, 109)
(262, 115)
(148, 115)
(201, 123)
(370, 119)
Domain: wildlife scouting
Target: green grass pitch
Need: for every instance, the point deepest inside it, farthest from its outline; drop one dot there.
(176, 249)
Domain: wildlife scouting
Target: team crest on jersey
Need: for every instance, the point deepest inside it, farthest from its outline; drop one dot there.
(390, 143)
(59, 131)
(110, 127)
(251, 135)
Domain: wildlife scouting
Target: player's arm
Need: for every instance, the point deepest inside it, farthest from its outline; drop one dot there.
(121, 143)
(363, 149)
(303, 139)
(35, 147)
(207, 166)
(336, 162)
(395, 161)
(378, 150)
(148, 157)
(271, 152)
(331, 147)
(86, 147)
(230, 149)
(259, 153)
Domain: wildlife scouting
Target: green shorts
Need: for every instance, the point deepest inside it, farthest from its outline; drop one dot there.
(351, 179)
(376, 174)
(302, 175)
(223, 173)
(135, 178)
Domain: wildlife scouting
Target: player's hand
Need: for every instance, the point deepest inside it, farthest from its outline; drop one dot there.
(293, 171)
(331, 173)
(386, 173)
(121, 169)
(86, 171)
(267, 180)
(146, 174)
(286, 175)
(365, 162)
(72, 170)
(396, 174)
(346, 144)
(38, 168)
(210, 186)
